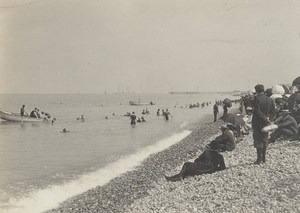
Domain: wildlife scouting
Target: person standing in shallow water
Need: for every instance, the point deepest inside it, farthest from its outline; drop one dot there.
(133, 119)
(216, 111)
(166, 114)
(263, 113)
(22, 111)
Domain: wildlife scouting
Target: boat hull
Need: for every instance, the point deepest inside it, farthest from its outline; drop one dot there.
(136, 103)
(14, 117)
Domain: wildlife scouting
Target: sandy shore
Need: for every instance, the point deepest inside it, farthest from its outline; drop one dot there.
(242, 187)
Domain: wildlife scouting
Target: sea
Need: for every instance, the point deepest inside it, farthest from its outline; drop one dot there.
(40, 166)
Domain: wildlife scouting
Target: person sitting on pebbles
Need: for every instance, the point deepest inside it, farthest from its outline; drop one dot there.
(287, 127)
(208, 162)
(224, 142)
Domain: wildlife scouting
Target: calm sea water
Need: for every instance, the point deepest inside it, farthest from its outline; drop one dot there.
(40, 166)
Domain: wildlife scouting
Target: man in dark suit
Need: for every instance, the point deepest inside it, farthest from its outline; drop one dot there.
(264, 112)
(208, 162)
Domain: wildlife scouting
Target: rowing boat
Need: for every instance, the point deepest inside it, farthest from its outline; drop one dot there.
(15, 117)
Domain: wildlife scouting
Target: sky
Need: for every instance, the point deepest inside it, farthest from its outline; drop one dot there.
(147, 46)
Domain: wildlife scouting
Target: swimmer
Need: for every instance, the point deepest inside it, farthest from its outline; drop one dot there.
(65, 130)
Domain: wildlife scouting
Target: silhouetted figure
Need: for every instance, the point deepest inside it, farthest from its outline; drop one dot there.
(216, 111)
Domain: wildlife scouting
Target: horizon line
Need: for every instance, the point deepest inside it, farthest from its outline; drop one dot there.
(118, 93)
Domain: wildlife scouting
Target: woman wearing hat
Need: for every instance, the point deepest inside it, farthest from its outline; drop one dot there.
(224, 142)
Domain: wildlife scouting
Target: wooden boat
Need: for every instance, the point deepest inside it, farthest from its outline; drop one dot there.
(138, 103)
(15, 117)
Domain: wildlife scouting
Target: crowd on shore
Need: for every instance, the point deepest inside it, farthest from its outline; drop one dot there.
(270, 119)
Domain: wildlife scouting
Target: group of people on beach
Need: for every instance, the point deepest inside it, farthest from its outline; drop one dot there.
(272, 116)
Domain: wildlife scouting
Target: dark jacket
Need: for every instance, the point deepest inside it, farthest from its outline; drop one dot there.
(293, 102)
(33, 114)
(208, 162)
(216, 108)
(264, 110)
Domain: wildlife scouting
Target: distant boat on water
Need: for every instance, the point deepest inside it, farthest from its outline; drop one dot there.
(139, 103)
(15, 117)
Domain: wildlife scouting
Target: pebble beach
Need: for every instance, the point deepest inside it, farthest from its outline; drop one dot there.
(242, 187)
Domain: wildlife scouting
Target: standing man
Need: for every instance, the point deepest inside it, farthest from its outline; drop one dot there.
(216, 111)
(264, 111)
(22, 111)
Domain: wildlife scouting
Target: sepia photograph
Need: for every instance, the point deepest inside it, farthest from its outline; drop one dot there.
(149, 106)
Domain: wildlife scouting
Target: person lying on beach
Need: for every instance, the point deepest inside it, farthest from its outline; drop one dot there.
(287, 127)
(224, 142)
(208, 162)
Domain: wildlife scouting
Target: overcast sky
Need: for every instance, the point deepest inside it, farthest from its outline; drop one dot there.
(147, 46)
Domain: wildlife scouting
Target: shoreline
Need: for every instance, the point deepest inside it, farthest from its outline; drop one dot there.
(241, 187)
(123, 190)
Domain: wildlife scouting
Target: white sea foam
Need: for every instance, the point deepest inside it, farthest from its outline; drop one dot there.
(45, 199)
